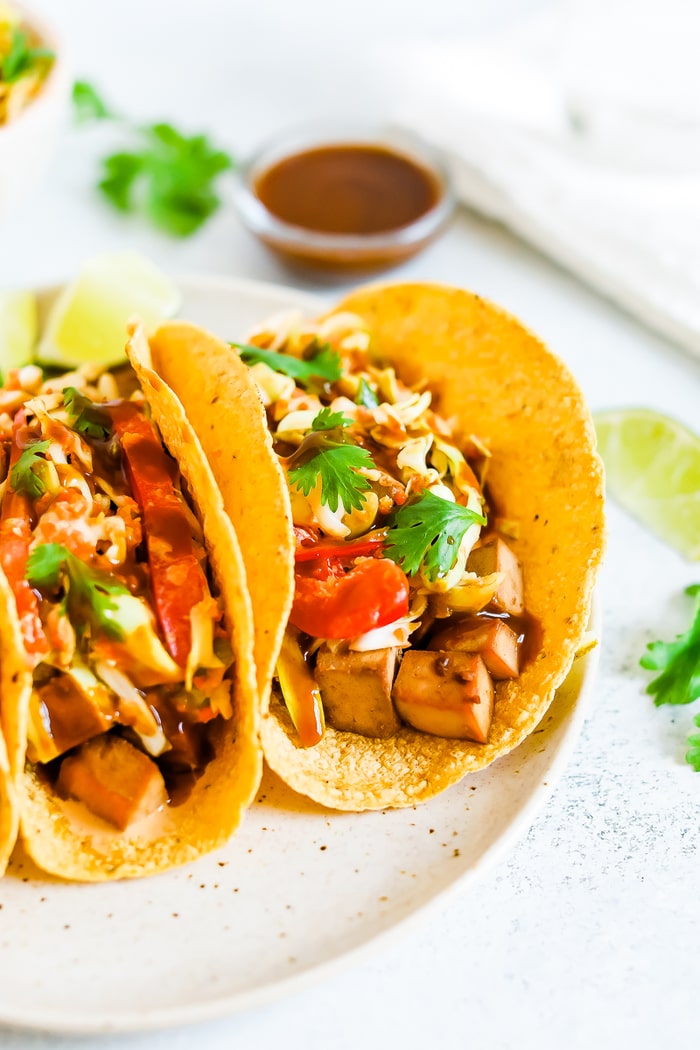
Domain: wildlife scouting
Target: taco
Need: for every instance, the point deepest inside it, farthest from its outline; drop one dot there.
(129, 697)
(447, 512)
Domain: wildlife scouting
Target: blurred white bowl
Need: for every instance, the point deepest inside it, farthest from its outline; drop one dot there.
(28, 142)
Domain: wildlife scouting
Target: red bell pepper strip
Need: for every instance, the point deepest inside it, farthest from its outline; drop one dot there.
(177, 578)
(15, 537)
(373, 594)
(366, 545)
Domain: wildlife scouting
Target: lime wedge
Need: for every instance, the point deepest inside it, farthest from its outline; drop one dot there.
(18, 329)
(652, 466)
(87, 322)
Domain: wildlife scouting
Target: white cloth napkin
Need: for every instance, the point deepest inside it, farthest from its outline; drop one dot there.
(580, 129)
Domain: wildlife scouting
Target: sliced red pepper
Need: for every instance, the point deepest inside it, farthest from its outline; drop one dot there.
(15, 537)
(354, 549)
(373, 594)
(177, 578)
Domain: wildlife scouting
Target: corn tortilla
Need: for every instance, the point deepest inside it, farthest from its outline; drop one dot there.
(60, 836)
(501, 384)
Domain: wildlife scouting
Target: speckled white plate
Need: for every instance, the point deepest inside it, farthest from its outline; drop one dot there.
(298, 892)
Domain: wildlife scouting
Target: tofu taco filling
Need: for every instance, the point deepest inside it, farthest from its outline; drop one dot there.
(408, 602)
(106, 560)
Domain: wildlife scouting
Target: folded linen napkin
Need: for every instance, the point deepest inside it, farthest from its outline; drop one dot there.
(579, 129)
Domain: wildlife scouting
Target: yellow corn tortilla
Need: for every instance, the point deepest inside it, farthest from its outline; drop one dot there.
(60, 835)
(500, 383)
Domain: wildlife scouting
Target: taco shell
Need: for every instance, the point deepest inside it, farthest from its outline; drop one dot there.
(502, 385)
(59, 834)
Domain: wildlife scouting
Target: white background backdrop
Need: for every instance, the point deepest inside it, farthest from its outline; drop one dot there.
(590, 933)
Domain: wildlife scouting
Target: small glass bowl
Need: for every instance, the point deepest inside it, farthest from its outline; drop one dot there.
(342, 251)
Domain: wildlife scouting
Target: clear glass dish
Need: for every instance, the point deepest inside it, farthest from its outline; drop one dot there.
(338, 251)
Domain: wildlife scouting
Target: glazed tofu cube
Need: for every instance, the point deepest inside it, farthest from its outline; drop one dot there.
(356, 690)
(447, 694)
(63, 715)
(114, 779)
(496, 643)
(496, 556)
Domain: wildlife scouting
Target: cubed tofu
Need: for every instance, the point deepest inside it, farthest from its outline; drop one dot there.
(114, 779)
(446, 694)
(496, 556)
(496, 643)
(61, 716)
(356, 690)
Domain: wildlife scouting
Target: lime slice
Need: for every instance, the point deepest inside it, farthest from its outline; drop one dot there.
(652, 465)
(87, 322)
(18, 329)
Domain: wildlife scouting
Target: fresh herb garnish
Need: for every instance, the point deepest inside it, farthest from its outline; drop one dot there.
(325, 364)
(366, 396)
(90, 593)
(88, 104)
(26, 473)
(327, 454)
(327, 420)
(86, 416)
(168, 176)
(679, 663)
(21, 57)
(427, 533)
(692, 756)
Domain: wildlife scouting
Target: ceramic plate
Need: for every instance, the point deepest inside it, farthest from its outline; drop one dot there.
(298, 892)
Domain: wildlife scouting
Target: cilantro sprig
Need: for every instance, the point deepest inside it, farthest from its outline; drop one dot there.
(427, 532)
(21, 57)
(88, 104)
(27, 475)
(324, 364)
(166, 175)
(85, 416)
(679, 664)
(328, 455)
(90, 594)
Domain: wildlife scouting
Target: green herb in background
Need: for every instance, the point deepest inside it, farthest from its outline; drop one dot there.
(88, 105)
(166, 175)
(679, 663)
(21, 58)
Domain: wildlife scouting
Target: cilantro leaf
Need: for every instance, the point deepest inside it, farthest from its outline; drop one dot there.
(678, 661)
(692, 756)
(26, 473)
(86, 416)
(366, 396)
(324, 365)
(21, 58)
(90, 593)
(327, 420)
(169, 176)
(88, 104)
(336, 464)
(427, 532)
(335, 460)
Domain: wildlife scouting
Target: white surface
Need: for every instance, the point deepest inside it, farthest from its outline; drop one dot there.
(558, 131)
(589, 934)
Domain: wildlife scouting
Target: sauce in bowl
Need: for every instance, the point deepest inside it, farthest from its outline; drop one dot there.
(360, 202)
(353, 189)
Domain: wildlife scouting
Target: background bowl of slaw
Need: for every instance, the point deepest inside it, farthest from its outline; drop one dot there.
(28, 141)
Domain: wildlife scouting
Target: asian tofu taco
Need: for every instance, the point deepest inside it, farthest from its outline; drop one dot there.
(446, 503)
(128, 683)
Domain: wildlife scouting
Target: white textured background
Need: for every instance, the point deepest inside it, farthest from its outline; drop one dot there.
(589, 935)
